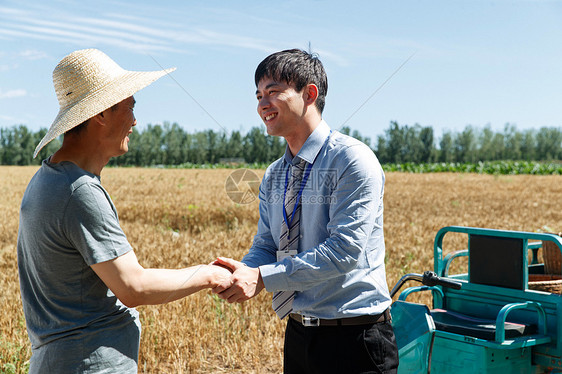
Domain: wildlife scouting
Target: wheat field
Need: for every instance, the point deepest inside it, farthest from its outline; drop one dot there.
(176, 218)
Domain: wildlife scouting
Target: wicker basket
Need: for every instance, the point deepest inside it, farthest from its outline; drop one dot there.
(546, 282)
(552, 257)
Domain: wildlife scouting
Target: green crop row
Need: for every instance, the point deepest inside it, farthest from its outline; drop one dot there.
(487, 167)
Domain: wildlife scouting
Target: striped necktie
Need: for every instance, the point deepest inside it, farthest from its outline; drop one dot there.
(289, 239)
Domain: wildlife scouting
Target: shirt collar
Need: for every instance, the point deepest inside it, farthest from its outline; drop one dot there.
(311, 146)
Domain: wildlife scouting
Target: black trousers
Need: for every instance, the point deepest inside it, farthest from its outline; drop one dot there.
(340, 349)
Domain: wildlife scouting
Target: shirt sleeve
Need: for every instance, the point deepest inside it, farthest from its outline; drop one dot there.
(356, 206)
(264, 248)
(92, 225)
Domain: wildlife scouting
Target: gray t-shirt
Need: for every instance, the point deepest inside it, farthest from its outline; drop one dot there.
(75, 323)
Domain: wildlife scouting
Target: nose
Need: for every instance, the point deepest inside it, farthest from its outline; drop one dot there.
(134, 121)
(263, 104)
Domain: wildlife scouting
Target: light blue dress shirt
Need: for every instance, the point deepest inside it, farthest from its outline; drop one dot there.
(339, 271)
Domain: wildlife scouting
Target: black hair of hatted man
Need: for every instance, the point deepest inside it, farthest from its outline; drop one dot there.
(296, 68)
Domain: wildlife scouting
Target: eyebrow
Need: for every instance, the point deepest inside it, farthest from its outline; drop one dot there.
(268, 86)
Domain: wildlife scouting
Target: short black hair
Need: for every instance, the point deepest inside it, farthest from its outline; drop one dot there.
(77, 130)
(295, 67)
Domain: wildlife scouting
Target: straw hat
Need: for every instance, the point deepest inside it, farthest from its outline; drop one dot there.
(87, 82)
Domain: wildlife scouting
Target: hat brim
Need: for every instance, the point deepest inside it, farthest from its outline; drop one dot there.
(96, 102)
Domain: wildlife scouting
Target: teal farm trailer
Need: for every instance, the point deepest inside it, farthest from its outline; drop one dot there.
(489, 319)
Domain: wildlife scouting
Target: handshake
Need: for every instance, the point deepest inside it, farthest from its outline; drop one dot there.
(233, 281)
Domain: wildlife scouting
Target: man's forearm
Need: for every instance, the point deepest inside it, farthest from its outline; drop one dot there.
(159, 286)
(135, 285)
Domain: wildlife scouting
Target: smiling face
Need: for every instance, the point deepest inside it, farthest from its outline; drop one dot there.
(280, 107)
(120, 120)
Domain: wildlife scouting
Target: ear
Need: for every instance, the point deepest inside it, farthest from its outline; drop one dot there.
(99, 118)
(310, 94)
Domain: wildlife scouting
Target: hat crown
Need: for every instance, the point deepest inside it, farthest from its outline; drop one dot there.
(82, 73)
(87, 82)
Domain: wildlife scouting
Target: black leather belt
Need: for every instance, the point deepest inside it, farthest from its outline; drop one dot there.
(351, 321)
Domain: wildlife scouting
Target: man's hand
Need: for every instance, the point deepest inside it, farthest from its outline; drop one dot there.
(217, 275)
(245, 283)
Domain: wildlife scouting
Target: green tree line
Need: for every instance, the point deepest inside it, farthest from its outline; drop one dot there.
(170, 144)
(417, 144)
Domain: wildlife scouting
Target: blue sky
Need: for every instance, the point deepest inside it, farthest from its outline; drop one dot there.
(471, 62)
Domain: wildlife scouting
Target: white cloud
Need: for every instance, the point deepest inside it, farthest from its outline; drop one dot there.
(12, 12)
(130, 32)
(12, 93)
(8, 118)
(134, 32)
(32, 55)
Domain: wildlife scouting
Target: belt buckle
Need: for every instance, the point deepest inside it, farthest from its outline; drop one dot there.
(310, 321)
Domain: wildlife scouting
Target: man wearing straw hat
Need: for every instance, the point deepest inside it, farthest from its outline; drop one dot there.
(79, 277)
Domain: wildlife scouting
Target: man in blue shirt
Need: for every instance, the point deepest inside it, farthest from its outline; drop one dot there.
(337, 297)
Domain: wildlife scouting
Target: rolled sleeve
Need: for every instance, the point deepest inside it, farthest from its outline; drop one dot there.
(274, 276)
